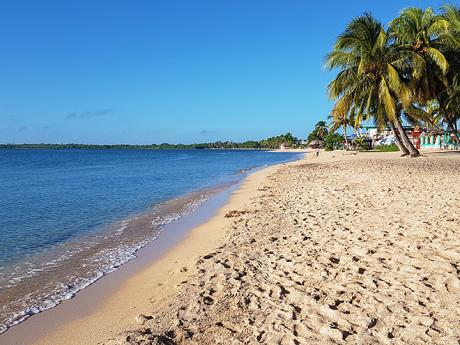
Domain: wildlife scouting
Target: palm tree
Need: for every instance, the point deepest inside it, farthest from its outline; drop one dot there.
(422, 38)
(452, 14)
(369, 83)
(319, 132)
(428, 115)
(340, 120)
(321, 129)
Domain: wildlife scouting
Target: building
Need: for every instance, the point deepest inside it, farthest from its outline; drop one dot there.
(383, 136)
(373, 132)
(316, 144)
(437, 139)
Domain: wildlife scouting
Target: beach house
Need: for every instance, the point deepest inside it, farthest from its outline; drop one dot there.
(437, 139)
(382, 136)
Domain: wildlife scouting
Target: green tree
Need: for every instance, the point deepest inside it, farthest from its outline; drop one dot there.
(319, 132)
(428, 115)
(341, 120)
(369, 84)
(274, 142)
(425, 42)
(333, 141)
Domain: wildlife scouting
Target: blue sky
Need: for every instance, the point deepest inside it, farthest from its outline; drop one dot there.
(168, 71)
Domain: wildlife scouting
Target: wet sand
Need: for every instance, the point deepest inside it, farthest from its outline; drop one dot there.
(343, 248)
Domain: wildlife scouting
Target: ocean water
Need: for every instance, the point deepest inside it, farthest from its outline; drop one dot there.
(68, 217)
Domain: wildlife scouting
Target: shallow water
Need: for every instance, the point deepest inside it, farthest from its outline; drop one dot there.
(67, 217)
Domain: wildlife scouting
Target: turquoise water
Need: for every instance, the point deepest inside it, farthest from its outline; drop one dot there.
(67, 217)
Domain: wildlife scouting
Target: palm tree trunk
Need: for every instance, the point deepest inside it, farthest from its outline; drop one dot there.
(405, 139)
(345, 135)
(398, 142)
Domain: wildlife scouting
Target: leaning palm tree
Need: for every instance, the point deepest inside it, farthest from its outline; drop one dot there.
(369, 83)
(423, 38)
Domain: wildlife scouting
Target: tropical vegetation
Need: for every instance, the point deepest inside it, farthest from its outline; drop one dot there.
(319, 132)
(333, 141)
(288, 140)
(407, 71)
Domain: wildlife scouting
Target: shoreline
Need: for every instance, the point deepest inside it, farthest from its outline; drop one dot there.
(154, 219)
(87, 301)
(132, 147)
(322, 271)
(343, 248)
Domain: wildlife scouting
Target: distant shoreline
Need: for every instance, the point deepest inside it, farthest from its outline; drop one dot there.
(283, 140)
(115, 146)
(137, 147)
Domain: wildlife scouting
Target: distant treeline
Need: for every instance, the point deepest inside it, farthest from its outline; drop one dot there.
(270, 143)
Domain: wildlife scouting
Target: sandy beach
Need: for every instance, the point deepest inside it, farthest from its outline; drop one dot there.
(225, 173)
(341, 248)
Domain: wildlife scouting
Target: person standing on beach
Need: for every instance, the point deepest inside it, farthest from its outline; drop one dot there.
(317, 152)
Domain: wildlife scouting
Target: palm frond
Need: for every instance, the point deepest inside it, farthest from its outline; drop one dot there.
(438, 27)
(438, 58)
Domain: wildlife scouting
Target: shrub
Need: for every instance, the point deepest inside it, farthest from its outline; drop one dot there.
(332, 141)
(362, 143)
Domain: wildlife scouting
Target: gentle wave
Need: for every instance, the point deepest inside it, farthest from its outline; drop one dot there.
(67, 218)
(105, 261)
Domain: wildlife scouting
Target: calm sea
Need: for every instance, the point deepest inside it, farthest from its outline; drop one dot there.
(67, 217)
